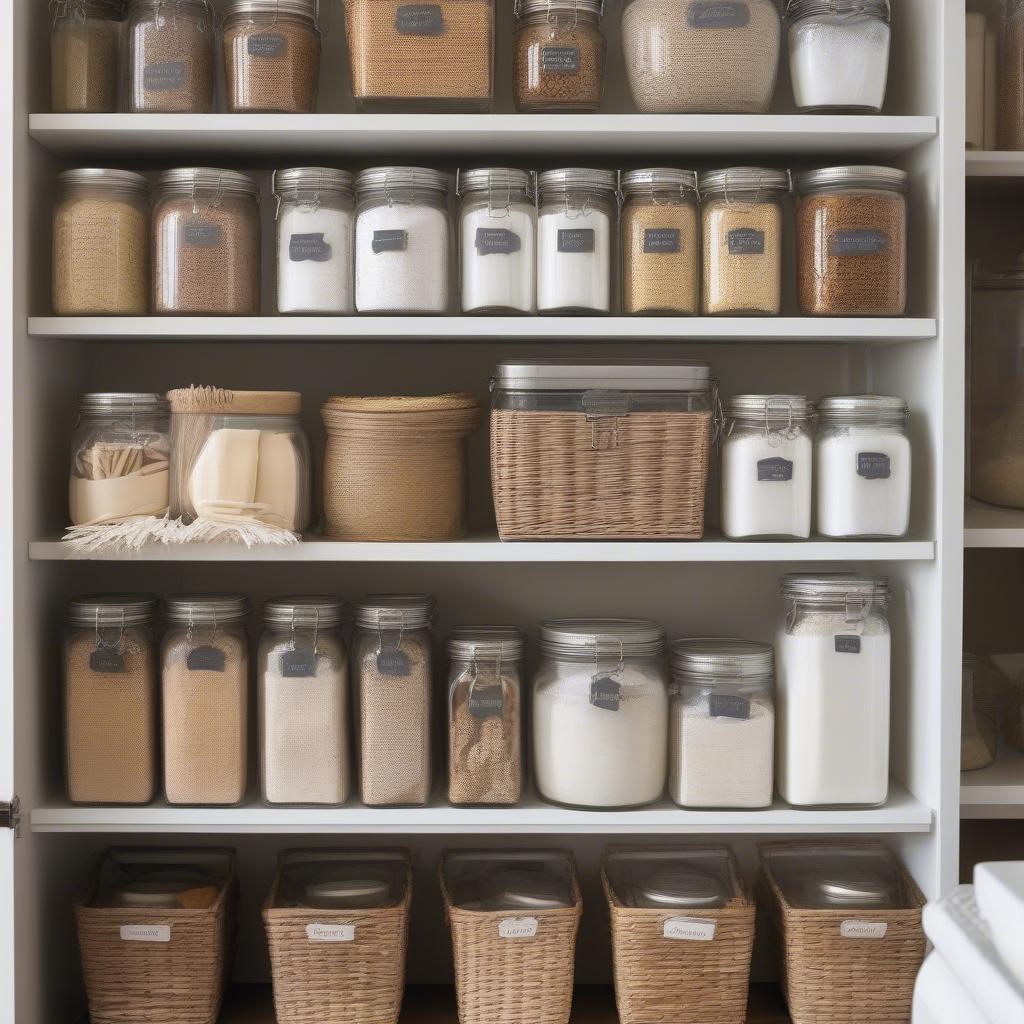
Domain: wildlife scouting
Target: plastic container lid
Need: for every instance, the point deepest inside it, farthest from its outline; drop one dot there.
(112, 610)
(686, 878)
(304, 611)
(341, 879)
(395, 611)
(207, 608)
(594, 638)
(516, 881)
(652, 375)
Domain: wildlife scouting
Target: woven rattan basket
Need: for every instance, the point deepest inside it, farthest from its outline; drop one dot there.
(659, 978)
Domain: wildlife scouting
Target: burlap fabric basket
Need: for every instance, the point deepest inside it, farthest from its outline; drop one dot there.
(180, 981)
(827, 978)
(660, 979)
(395, 468)
(514, 980)
(357, 982)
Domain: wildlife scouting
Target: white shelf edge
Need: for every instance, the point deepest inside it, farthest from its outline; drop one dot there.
(994, 164)
(996, 791)
(986, 526)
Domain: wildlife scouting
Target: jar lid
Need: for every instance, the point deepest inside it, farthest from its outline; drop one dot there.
(304, 611)
(150, 894)
(857, 887)
(527, 8)
(585, 375)
(212, 401)
(110, 403)
(480, 179)
(891, 179)
(626, 638)
(185, 180)
(774, 408)
(709, 659)
(395, 611)
(199, 5)
(767, 180)
(298, 8)
(527, 890)
(796, 9)
(650, 179)
(836, 589)
(111, 610)
(404, 177)
(680, 887)
(863, 408)
(355, 891)
(490, 643)
(587, 178)
(312, 179)
(105, 178)
(206, 608)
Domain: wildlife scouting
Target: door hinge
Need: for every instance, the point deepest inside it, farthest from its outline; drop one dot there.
(10, 816)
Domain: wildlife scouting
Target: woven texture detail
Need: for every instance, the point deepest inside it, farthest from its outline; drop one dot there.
(197, 398)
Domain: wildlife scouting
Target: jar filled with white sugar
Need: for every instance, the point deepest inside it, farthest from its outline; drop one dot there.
(767, 461)
(315, 221)
(403, 240)
(832, 665)
(600, 712)
(576, 231)
(862, 467)
(498, 240)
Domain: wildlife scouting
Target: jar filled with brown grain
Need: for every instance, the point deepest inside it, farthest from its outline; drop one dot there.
(558, 52)
(101, 243)
(660, 242)
(169, 57)
(85, 45)
(206, 243)
(851, 241)
(1010, 106)
(271, 56)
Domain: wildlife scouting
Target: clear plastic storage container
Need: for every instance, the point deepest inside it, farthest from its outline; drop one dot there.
(85, 49)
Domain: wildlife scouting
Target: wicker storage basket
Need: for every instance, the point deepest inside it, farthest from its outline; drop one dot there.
(338, 980)
(177, 976)
(395, 468)
(845, 965)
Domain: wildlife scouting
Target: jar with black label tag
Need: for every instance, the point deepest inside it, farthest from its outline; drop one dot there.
(302, 679)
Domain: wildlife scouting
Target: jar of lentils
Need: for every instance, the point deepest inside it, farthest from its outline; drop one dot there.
(85, 47)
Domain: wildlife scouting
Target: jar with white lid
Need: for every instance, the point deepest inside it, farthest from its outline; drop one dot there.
(403, 247)
(767, 465)
(600, 712)
(315, 223)
(498, 240)
(832, 665)
(862, 467)
(85, 47)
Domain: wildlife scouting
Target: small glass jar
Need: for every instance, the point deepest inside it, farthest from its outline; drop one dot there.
(110, 699)
(85, 47)
(851, 241)
(403, 240)
(393, 682)
(169, 57)
(485, 715)
(600, 713)
(271, 56)
(1010, 100)
(315, 225)
(498, 233)
(767, 466)
(862, 467)
(576, 231)
(302, 681)
(558, 55)
(101, 243)
(204, 677)
(742, 229)
(660, 242)
(120, 454)
(832, 665)
(206, 243)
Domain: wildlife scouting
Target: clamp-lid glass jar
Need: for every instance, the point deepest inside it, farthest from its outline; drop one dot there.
(85, 47)
(558, 54)
(1010, 102)
(851, 241)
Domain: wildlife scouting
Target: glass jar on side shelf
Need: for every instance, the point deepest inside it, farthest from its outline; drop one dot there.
(85, 49)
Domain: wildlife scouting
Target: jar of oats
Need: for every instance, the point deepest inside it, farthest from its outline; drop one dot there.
(206, 243)
(851, 241)
(271, 56)
(660, 248)
(741, 211)
(85, 43)
(101, 243)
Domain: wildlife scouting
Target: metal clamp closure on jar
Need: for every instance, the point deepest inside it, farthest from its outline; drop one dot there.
(81, 9)
(797, 9)
(215, 611)
(757, 184)
(879, 410)
(304, 186)
(308, 614)
(553, 8)
(603, 410)
(855, 596)
(661, 185)
(586, 183)
(869, 176)
(307, 10)
(197, 8)
(193, 181)
(411, 180)
(115, 404)
(781, 415)
(501, 185)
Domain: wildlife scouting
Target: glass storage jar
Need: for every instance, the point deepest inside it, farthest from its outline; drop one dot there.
(838, 53)
(576, 230)
(85, 47)
(120, 453)
(862, 466)
(110, 699)
(660, 242)
(204, 677)
(431, 57)
(701, 57)
(851, 241)
(393, 685)
(485, 715)
(101, 243)
(832, 664)
(600, 712)
(315, 225)
(767, 466)
(741, 214)
(1010, 99)
(271, 56)
(558, 55)
(403, 240)
(169, 57)
(498, 240)
(206, 243)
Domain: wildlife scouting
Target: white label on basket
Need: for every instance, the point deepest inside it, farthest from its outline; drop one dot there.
(145, 933)
(863, 929)
(517, 928)
(331, 932)
(691, 928)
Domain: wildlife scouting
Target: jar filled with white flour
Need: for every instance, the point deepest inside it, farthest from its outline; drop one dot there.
(767, 462)
(862, 466)
(498, 240)
(315, 218)
(600, 712)
(403, 240)
(576, 231)
(722, 724)
(832, 664)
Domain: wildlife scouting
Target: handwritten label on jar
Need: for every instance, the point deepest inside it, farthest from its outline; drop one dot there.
(774, 470)
(560, 60)
(205, 659)
(517, 928)
(726, 705)
(873, 465)
(718, 14)
(863, 929)
(847, 645)
(309, 248)
(331, 932)
(858, 242)
(419, 20)
(145, 933)
(605, 693)
(745, 242)
(267, 44)
(487, 702)
(167, 76)
(497, 241)
(390, 241)
(662, 240)
(692, 929)
(394, 662)
(575, 240)
(201, 235)
(298, 664)
(106, 659)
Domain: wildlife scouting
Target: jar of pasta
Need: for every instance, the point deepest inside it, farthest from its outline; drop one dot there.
(85, 47)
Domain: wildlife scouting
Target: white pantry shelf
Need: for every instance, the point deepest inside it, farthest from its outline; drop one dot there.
(987, 526)
(994, 164)
(996, 791)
